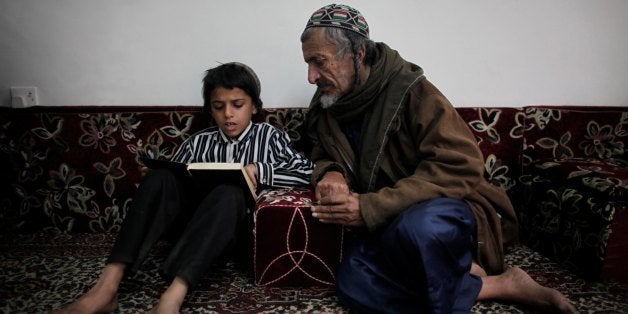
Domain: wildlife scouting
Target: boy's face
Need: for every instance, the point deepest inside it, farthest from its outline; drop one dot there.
(232, 109)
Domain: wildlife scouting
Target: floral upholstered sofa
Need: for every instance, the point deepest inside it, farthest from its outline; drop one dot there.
(72, 172)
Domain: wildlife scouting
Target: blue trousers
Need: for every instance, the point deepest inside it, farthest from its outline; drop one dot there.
(420, 263)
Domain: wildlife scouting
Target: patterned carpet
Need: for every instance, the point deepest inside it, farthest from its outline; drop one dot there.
(39, 273)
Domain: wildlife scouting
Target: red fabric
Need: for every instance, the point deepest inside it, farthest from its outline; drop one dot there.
(614, 266)
(290, 247)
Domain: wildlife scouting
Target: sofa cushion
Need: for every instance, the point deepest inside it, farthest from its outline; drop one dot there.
(76, 169)
(562, 133)
(499, 133)
(575, 178)
(572, 204)
(614, 267)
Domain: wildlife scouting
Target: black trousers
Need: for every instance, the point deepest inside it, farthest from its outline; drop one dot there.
(204, 223)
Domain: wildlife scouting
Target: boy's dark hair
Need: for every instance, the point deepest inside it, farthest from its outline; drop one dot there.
(230, 75)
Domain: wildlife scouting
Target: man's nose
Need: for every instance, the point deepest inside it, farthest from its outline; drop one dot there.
(312, 75)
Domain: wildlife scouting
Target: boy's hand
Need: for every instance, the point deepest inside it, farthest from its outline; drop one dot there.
(333, 182)
(144, 170)
(251, 171)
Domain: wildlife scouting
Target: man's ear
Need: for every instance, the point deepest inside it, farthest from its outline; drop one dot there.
(362, 54)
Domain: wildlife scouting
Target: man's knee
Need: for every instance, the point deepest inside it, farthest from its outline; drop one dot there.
(442, 220)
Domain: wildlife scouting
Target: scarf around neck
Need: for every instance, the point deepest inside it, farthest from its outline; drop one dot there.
(378, 100)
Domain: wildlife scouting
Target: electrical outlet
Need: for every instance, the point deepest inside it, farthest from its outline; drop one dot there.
(22, 97)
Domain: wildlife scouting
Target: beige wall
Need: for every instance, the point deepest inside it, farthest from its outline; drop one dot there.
(154, 52)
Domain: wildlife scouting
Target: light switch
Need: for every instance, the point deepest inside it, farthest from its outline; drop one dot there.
(22, 97)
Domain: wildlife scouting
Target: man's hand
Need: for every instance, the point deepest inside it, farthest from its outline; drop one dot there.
(336, 204)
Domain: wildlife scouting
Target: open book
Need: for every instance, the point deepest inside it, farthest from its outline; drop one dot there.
(209, 174)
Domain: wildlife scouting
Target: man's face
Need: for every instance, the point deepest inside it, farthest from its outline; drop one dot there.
(333, 74)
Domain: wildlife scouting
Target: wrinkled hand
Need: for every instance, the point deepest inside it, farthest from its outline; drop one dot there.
(336, 203)
(251, 172)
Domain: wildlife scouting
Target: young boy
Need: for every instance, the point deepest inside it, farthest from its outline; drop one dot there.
(210, 218)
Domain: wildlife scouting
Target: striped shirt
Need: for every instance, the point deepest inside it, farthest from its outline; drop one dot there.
(270, 149)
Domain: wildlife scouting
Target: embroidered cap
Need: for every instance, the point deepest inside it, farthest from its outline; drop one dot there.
(341, 16)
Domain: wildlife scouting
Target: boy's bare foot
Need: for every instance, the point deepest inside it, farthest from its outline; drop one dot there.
(172, 299)
(102, 297)
(96, 300)
(166, 307)
(516, 285)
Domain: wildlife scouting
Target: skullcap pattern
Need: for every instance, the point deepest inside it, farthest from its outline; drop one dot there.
(341, 16)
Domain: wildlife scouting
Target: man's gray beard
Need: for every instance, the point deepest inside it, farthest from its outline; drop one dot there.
(328, 101)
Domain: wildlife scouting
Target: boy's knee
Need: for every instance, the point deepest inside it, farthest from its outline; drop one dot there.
(158, 175)
(227, 189)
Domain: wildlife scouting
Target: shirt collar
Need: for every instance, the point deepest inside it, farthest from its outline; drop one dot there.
(240, 138)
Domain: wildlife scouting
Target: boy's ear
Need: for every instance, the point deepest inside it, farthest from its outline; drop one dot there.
(209, 120)
(206, 114)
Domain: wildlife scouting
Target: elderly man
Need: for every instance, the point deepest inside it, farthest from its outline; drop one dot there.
(396, 163)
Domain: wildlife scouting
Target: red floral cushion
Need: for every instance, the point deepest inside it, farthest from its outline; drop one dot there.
(575, 179)
(571, 206)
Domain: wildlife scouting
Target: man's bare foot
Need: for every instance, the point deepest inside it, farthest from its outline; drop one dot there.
(96, 300)
(516, 285)
(477, 270)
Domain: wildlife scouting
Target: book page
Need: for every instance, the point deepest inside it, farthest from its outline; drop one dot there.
(215, 165)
